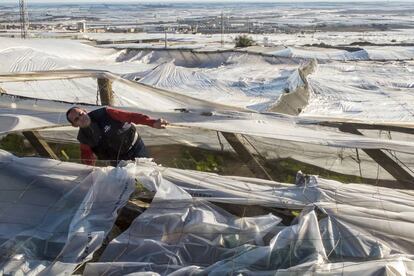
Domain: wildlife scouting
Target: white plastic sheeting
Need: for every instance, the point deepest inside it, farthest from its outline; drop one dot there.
(55, 215)
(11, 122)
(371, 87)
(27, 55)
(185, 111)
(370, 91)
(234, 78)
(342, 229)
(373, 53)
(256, 87)
(207, 73)
(273, 135)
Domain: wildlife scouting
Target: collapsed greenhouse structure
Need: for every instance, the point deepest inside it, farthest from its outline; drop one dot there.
(61, 217)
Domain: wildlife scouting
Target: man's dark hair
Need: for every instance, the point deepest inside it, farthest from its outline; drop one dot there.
(69, 110)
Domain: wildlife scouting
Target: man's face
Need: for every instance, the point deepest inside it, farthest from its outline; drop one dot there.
(79, 118)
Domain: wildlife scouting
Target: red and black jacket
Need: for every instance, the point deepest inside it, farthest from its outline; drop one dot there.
(110, 134)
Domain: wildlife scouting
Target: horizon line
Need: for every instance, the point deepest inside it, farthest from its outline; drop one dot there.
(206, 1)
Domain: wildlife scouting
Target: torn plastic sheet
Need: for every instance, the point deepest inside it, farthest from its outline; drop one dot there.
(55, 215)
(355, 209)
(272, 125)
(398, 265)
(341, 228)
(198, 123)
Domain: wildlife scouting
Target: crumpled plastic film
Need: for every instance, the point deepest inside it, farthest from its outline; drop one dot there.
(55, 215)
(341, 228)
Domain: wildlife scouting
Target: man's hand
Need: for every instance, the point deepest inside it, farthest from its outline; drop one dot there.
(160, 123)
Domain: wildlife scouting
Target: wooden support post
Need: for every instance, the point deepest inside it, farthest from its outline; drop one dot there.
(384, 160)
(240, 147)
(105, 91)
(127, 215)
(358, 125)
(39, 144)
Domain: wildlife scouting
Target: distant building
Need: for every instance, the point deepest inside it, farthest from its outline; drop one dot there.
(266, 41)
(81, 26)
(100, 30)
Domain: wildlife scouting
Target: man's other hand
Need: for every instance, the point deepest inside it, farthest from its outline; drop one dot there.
(160, 123)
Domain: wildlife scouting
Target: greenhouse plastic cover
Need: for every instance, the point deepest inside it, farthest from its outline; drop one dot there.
(350, 229)
(183, 111)
(55, 215)
(373, 84)
(196, 122)
(59, 213)
(235, 78)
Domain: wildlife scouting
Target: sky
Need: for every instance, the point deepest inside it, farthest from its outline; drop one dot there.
(177, 1)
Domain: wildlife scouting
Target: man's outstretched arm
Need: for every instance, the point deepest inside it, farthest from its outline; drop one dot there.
(87, 155)
(136, 118)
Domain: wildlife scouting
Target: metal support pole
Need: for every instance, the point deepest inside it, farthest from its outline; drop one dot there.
(384, 160)
(222, 29)
(165, 38)
(240, 147)
(24, 22)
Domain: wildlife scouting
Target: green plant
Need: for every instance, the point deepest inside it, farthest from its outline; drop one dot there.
(14, 143)
(209, 164)
(243, 41)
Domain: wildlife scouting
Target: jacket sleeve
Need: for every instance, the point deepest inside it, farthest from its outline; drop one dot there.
(87, 155)
(130, 117)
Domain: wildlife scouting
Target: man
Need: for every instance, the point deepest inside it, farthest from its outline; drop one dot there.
(108, 134)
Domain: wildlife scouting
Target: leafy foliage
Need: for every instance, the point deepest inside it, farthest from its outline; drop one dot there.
(244, 41)
(14, 143)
